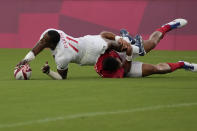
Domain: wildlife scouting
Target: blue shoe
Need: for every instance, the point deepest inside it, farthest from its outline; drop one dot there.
(125, 33)
(139, 43)
(189, 66)
(177, 23)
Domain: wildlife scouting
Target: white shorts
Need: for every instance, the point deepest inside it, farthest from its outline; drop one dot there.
(136, 69)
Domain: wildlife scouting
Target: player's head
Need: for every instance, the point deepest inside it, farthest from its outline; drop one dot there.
(111, 64)
(54, 38)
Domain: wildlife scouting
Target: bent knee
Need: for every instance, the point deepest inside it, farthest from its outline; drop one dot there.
(160, 67)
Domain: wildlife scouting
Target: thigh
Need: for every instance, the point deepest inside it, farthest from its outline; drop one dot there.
(136, 69)
(148, 45)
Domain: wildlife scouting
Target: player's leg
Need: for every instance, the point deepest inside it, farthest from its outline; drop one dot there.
(189, 66)
(125, 34)
(163, 68)
(139, 69)
(152, 42)
(135, 70)
(156, 36)
(149, 69)
(136, 43)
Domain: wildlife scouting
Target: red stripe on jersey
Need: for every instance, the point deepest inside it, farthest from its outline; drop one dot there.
(71, 39)
(74, 48)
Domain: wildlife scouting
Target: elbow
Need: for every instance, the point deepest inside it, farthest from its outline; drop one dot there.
(103, 34)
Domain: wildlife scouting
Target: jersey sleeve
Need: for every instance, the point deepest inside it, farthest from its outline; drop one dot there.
(62, 64)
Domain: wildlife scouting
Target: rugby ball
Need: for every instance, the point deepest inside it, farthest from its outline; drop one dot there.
(22, 72)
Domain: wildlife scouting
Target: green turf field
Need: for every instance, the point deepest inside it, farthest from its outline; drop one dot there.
(86, 102)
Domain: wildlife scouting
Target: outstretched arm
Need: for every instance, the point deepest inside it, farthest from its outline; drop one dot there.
(40, 45)
(49, 40)
(108, 35)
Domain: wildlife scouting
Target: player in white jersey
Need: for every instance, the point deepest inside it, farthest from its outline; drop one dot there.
(66, 49)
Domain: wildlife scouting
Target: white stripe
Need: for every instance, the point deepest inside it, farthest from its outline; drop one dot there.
(93, 114)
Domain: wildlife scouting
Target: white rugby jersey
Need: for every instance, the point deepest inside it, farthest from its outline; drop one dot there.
(84, 50)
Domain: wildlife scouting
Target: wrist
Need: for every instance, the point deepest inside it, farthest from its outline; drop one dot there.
(29, 57)
(55, 75)
(48, 72)
(129, 58)
(117, 38)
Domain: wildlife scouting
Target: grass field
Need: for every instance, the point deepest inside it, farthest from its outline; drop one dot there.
(86, 102)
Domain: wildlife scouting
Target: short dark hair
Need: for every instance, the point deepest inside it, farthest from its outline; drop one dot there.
(110, 64)
(54, 37)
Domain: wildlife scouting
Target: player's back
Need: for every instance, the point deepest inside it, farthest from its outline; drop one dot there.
(93, 46)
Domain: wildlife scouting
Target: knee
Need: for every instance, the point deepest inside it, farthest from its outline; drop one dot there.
(159, 67)
(54, 36)
(155, 37)
(154, 42)
(156, 69)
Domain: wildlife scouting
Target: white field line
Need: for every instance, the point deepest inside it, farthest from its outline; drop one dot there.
(94, 114)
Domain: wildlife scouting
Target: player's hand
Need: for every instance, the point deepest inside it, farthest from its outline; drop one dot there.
(124, 44)
(46, 68)
(23, 62)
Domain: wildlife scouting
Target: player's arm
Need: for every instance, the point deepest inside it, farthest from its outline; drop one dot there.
(41, 44)
(59, 75)
(114, 42)
(108, 35)
(128, 61)
(49, 40)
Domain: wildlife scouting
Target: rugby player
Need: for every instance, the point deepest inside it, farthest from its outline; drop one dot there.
(66, 49)
(119, 65)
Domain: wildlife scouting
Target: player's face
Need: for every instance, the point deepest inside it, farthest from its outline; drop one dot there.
(52, 46)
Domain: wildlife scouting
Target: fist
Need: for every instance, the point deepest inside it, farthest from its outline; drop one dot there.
(46, 68)
(124, 44)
